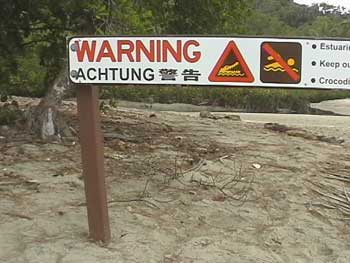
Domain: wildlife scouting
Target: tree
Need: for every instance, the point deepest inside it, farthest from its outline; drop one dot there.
(198, 17)
(45, 24)
(344, 28)
(263, 24)
(323, 26)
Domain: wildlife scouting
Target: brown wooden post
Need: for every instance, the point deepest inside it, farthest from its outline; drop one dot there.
(91, 141)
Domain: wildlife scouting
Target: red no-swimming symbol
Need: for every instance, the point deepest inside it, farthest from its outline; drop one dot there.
(280, 62)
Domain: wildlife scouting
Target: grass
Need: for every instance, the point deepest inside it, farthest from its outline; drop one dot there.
(248, 99)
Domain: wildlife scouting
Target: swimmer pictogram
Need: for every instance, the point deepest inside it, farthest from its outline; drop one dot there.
(280, 62)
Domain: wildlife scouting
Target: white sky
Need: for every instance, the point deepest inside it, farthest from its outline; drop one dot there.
(345, 3)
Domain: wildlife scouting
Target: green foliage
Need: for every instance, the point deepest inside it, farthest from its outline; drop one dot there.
(41, 26)
(285, 18)
(262, 24)
(203, 17)
(10, 114)
(29, 76)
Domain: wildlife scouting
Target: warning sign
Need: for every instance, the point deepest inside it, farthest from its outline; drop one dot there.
(280, 62)
(231, 67)
(210, 61)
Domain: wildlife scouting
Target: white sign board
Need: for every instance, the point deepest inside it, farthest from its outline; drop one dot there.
(215, 61)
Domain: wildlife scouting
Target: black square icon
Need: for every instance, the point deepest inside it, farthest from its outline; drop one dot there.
(280, 62)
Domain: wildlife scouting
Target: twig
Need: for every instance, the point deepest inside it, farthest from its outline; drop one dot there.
(347, 196)
(125, 201)
(18, 215)
(330, 171)
(338, 175)
(133, 200)
(8, 183)
(331, 197)
(236, 179)
(337, 178)
(164, 201)
(220, 159)
(326, 186)
(201, 183)
(196, 167)
(344, 210)
(246, 190)
(323, 205)
(143, 194)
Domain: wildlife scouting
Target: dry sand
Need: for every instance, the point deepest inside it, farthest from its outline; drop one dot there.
(341, 106)
(206, 191)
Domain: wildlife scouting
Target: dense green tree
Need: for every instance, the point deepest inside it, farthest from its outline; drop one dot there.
(263, 24)
(344, 28)
(42, 26)
(284, 17)
(323, 26)
(205, 17)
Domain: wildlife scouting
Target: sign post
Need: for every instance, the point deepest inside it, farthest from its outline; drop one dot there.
(91, 141)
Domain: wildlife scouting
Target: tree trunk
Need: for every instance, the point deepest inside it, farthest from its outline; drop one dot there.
(45, 120)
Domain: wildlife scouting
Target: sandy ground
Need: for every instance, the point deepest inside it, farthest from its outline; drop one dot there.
(341, 106)
(183, 189)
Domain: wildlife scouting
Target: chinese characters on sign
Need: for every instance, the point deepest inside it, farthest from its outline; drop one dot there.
(171, 74)
(168, 74)
(191, 75)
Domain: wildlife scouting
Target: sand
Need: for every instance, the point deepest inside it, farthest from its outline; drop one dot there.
(206, 191)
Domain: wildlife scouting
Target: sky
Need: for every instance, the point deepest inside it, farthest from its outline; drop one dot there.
(345, 3)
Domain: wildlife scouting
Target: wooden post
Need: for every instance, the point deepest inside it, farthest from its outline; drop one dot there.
(91, 141)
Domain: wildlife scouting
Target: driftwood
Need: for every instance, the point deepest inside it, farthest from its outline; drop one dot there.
(298, 132)
(209, 115)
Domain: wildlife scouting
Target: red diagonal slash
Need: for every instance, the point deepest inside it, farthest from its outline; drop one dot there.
(295, 76)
